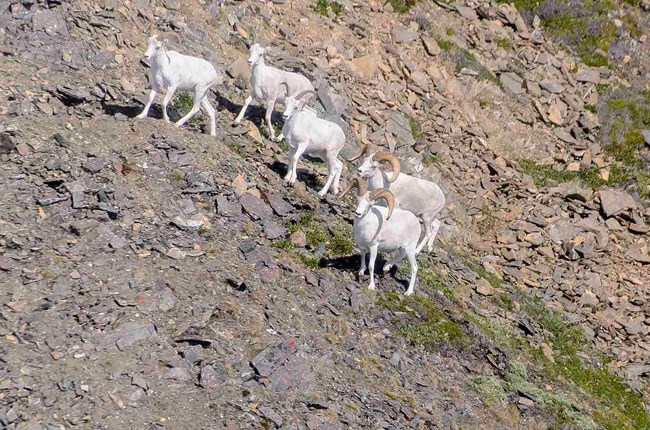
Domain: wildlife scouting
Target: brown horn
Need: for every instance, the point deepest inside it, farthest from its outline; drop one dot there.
(286, 86)
(394, 162)
(364, 151)
(303, 93)
(357, 183)
(383, 193)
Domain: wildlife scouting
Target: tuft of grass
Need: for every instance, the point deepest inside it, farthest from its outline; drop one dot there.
(284, 244)
(176, 176)
(416, 127)
(431, 279)
(450, 31)
(323, 7)
(504, 43)
(490, 390)
(477, 268)
(465, 59)
(310, 262)
(483, 103)
(426, 324)
(402, 6)
(544, 176)
(430, 159)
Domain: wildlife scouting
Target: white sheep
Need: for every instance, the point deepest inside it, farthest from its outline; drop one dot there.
(173, 71)
(265, 86)
(424, 198)
(306, 133)
(386, 229)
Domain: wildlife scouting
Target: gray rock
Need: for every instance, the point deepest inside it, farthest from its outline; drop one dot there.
(398, 125)
(588, 75)
(271, 414)
(227, 208)
(247, 245)
(564, 136)
(267, 361)
(126, 335)
(646, 136)
(95, 165)
(431, 46)
(279, 205)
(613, 202)
(402, 34)
(512, 82)
(467, 12)
(273, 230)
(552, 86)
(213, 375)
(255, 207)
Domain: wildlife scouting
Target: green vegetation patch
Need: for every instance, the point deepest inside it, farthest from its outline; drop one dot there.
(402, 6)
(583, 25)
(416, 127)
(490, 389)
(323, 7)
(463, 59)
(425, 324)
(504, 43)
(431, 279)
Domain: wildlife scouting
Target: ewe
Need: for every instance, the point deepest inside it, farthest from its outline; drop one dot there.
(306, 133)
(173, 71)
(386, 229)
(266, 86)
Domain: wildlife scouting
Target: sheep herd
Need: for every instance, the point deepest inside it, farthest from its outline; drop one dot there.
(409, 200)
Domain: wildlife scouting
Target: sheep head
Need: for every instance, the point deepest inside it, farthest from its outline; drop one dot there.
(154, 46)
(372, 164)
(365, 199)
(257, 54)
(294, 104)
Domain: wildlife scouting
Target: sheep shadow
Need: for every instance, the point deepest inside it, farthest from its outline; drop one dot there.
(310, 179)
(130, 111)
(254, 113)
(350, 263)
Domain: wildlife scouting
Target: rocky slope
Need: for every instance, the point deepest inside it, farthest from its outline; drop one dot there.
(153, 277)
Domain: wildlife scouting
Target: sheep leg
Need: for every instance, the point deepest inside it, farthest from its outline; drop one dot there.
(337, 175)
(296, 156)
(433, 232)
(248, 101)
(168, 97)
(205, 104)
(414, 271)
(190, 114)
(362, 268)
(292, 150)
(371, 266)
(331, 174)
(152, 95)
(269, 111)
(395, 260)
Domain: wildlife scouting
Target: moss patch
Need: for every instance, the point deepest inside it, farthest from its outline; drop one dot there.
(416, 127)
(323, 7)
(490, 389)
(424, 324)
(402, 6)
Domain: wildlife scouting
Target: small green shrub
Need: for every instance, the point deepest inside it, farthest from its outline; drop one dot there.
(402, 6)
(323, 7)
(504, 43)
(450, 31)
(416, 127)
(490, 390)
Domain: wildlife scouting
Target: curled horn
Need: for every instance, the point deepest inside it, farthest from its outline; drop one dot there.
(383, 193)
(303, 93)
(364, 151)
(357, 183)
(286, 86)
(394, 162)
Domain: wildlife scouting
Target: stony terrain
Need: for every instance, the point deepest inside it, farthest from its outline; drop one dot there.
(154, 277)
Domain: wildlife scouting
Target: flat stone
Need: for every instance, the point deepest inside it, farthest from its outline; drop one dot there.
(512, 82)
(227, 208)
(565, 136)
(213, 375)
(273, 230)
(269, 360)
(7, 143)
(483, 287)
(279, 205)
(588, 75)
(552, 86)
(255, 207)
(639, 254)
(94, 165)
(402, 34)
(467, 12)
(613, 202)
(271, 415)
(431, 46)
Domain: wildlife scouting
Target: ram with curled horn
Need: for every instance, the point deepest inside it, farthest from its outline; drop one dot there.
(386, 229)
(424, 198)
(305, 132)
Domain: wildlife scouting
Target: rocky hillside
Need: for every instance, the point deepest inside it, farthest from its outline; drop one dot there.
(154, 277)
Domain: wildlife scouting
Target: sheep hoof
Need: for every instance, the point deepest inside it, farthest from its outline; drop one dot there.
(371, 287)
(322, 193)
(360, 273)
(140, 116)
(408, 293)
(387, 268)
